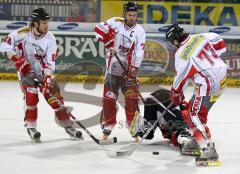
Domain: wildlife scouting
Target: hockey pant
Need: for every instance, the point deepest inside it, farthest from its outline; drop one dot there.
(196, 118)
(111, 88)
(30, 90)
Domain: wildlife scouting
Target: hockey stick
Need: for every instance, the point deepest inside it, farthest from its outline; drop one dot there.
(128, 152)
(125, 71)
(159, 103)
(100, 142)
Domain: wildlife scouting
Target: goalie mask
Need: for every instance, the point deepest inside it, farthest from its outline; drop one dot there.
(175, 32)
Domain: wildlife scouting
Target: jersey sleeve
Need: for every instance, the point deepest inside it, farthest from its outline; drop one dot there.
(217, 42)
(139, 49)
(7, 47)
(51, 54)
(185, 71)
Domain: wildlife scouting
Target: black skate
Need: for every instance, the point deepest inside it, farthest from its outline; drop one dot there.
(73, 133)
(34, 135)
(208, 157)
(190, 148)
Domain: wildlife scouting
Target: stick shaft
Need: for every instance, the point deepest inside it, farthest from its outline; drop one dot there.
(110, 141)
(125, 71)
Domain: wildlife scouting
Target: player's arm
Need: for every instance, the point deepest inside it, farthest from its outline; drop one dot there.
(136, 54)
(7, 47)
(217, 42)
(185, 71)
(15, 53)
(48, 70)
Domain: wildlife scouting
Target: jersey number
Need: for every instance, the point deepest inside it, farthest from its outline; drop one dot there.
(208, 53)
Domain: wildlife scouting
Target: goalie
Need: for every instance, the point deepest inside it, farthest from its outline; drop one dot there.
(171, 124)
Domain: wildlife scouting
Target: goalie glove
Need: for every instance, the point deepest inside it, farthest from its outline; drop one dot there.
(176, 97)
(21, 65)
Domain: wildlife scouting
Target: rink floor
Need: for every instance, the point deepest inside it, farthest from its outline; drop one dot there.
(61, 155)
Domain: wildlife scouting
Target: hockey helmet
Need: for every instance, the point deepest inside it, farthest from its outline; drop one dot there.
(175, 32)
(39, 14)
(130, 6)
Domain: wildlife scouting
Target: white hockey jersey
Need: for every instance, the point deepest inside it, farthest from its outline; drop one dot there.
(128, 44)
(198, 61)
(40, 52)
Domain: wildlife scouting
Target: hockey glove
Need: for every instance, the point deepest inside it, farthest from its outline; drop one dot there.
(176, 97)
(21, 65)
(131, 73)
(184, 105)
(108, 39)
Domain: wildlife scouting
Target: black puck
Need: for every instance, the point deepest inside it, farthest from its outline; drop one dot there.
(155, 153)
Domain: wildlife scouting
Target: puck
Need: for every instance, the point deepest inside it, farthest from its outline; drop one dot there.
(155, 153)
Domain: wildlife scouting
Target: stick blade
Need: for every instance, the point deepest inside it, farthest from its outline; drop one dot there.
(108, 141)
(119, 153)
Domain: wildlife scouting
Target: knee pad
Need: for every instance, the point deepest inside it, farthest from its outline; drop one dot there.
(31, 101)
(30, 95)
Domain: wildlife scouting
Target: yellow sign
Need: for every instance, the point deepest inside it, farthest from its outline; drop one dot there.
(156, 58)
(100, 79)
(214, 14)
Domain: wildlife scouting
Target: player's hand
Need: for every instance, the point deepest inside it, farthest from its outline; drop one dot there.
(184, 105)
(21, 65)
(177, 97)
(131, 74)
(108, 39)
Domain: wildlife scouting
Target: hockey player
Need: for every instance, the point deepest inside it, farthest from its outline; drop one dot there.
(171, 124)
(126, 38)
(197, 60)
(33, 51)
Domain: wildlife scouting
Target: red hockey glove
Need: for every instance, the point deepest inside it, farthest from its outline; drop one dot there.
(131, 74)
(108, 39)
(46, 84)
(21, 65)
(176, 97)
